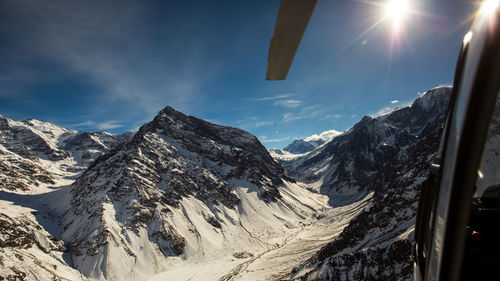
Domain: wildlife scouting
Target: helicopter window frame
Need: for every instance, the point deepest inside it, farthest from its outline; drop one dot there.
(465, 137)
(429, 193)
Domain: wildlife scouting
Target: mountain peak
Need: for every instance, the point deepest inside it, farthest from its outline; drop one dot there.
(310, 143)
(214, 154)
(434, 97)
(176, 125)
(176, 166)
(170, 111)
(325, 136)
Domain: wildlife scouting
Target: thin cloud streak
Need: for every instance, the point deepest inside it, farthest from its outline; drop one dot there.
(84, 37)
(109, 125)
(263, 123)
(87, 123)
(389, 108)
(252, 123)
(326, 136)
(289, 117)
(310, 108)
(106, 125)
(382, 111)
(277, 97)
(331, 117)
(288, 103)
(264, 139)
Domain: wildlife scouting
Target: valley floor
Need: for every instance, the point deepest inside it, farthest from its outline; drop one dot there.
(276, 262)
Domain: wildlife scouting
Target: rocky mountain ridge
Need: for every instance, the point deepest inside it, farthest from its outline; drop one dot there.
(350, 163)
(301, 146)
(389, 155)
(36, 153)
(184, 197)
(180, 181)
(37, 159)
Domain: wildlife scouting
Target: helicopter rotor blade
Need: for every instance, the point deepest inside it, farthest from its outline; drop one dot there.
(292, 20)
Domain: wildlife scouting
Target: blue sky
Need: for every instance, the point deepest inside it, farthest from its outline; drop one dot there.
(112, 65)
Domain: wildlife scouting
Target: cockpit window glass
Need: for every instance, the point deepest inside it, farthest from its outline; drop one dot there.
(489, 170)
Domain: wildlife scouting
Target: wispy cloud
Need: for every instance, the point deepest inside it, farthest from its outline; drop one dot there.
(87, 123)
(394, 101)
(326, 135)
(289, 117)
(95, 41)
(265, 139)
(284, 100)
(263, 123)
(106, 125)
(215, 121)
(331, 117)
(288, 103)
(389, 108)
(276, 97)
(252, 122)
(383, 111)
(307, 113)
(109, 125)
(310, 108)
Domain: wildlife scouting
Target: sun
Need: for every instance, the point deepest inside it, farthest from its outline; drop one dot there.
(396, 10)
(489, 7)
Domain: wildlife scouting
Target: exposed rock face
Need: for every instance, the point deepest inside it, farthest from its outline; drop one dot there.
(19, 165)
(389, 155)
(34, 153)
(305, 145)
(19, 174)
(176, 155)
(14, 234)
(302, 146)
(87, 147)
(138, 188)
(28, 252)
(182, 189)
(34, 158)
(363, 158)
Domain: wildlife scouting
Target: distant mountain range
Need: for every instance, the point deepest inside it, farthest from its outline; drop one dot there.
(184, 198)
(310, 143)
(37, 161)
(388, 156)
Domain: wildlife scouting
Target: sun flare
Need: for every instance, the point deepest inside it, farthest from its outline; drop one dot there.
(396, 10)
(489, 7)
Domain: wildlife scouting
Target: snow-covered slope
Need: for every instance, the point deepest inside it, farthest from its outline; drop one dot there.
(304, 145)
(29, 247)
(182, 191)
(390, 156)
(187, 199)
(349, 164)
(37, 161)
(37, 154)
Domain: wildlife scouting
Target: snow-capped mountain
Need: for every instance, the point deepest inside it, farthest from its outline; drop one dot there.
(302, 146)
(389, 155)
(307, 144)
(187, 199)
(348, 165)
(35, 159)
(29, 245)
(38, 153)
(181, 189)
